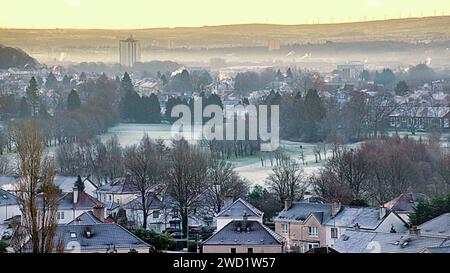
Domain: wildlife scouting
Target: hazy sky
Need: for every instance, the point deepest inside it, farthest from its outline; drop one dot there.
(172, 13)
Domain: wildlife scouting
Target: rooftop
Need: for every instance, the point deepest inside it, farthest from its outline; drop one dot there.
(406, 201)
(373, 242)
(439, 226)
(239, 232)
(300, 211)
(237, 209)
(7, 199)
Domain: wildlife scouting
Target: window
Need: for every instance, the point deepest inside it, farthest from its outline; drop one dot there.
(110, 197)
(313, 245)
(73, 235)
(313, 231)
(249, 250)
(155, 214)
(285, 228)
(60, 215)
(334, 233)
(233, 251)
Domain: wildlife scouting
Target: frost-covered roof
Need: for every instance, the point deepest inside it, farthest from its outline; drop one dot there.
(353, 241)
(300, 211)
(366, 218)
(437, 226)
(245, 233)
(238, 208)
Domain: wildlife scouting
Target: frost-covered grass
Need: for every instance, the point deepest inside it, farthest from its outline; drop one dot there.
(249, 168)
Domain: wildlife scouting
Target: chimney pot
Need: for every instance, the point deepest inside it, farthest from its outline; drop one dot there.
(287, 203)
(228, 201)
(335, 208)
(75, 195)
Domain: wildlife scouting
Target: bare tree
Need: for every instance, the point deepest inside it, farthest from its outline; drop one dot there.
(38, 212)
(144, 165)
(287, 181)
(6, 167)
(223, 181)
(187, 177)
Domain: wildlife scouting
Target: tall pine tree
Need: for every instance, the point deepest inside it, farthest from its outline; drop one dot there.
(73, 101)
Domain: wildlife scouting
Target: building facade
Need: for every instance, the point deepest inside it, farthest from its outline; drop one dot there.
(130, 52)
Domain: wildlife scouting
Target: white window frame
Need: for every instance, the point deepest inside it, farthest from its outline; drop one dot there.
(334, 231)
(313, 234)
(285, 228)
(313, 245)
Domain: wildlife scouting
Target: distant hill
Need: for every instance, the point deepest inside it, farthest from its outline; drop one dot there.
(15, 57)
(411, 30)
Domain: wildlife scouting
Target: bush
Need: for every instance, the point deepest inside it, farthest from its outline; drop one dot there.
(159, 241)
(3, 246)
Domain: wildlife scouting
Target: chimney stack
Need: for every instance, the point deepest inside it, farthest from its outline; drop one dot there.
(245, 220)
(228, 201)
(382, 212)
(287, 203)
(99, 213)
(415, 231)
(335, 208)
(75, 195)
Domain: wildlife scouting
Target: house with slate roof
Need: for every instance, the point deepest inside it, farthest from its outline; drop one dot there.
(438, 227)
(121, 191)
(9, 208)
(64, 183)
(71, 205)
(307, 225)
(244, 236)
(405, 203)
(358, 241)
(157, 215)
(235, 210)
(87, 234)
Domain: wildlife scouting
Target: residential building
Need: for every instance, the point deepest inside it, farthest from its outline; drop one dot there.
(404, 204)
(9, 208)
(358, 241)
(75, 203)
(234, 211)
(121, 191)
(88, 234)
(244, 236)
(439, 226)
(157, 215)
(420, 118)
(66, 184)
(129, 51)
(307, 225)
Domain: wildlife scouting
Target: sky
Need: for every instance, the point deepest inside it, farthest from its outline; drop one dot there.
(128, 14)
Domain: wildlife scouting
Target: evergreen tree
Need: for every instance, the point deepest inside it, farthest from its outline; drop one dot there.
(51, 82)
(73, 101)
(83, 77)
(401, 89)
(155, 109)
(126, 84)
(365, 75)
(32, 89)
(314, 112)
(66, 81)
(79, 184)
(289, 74)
